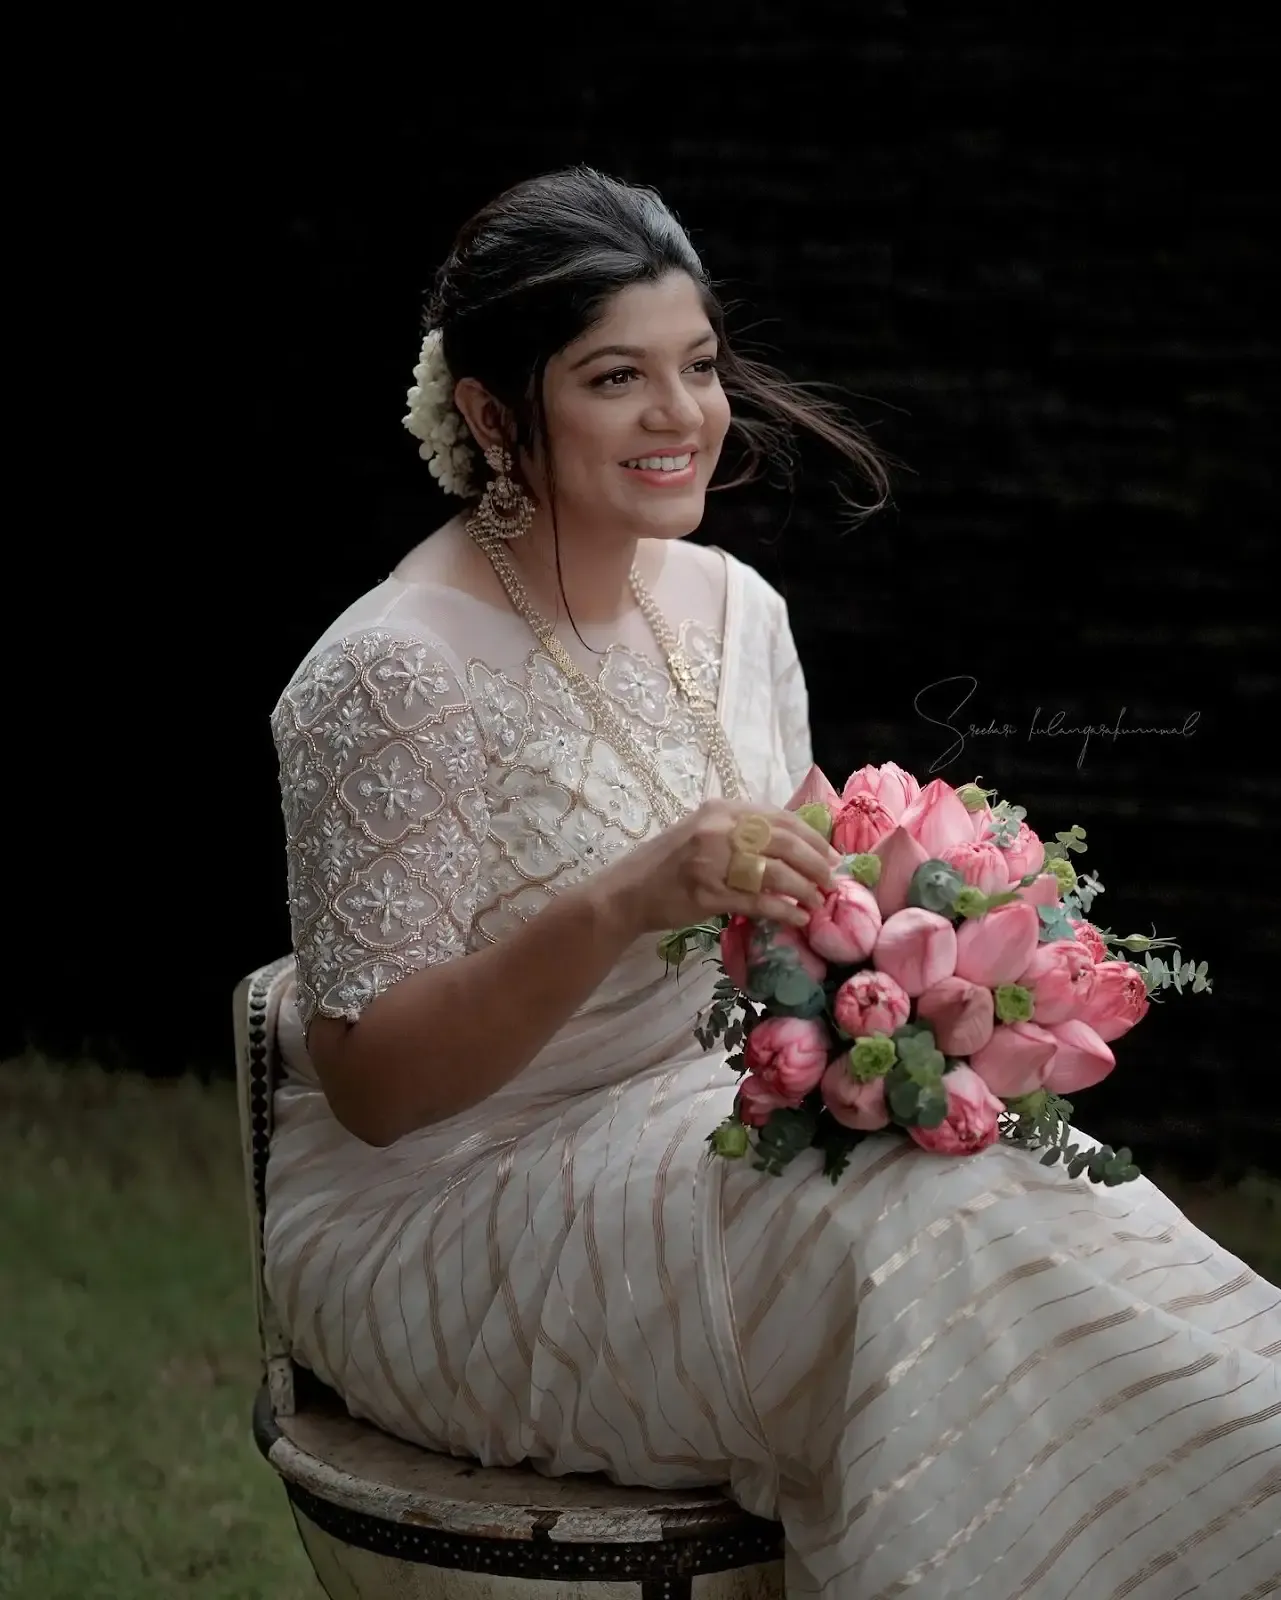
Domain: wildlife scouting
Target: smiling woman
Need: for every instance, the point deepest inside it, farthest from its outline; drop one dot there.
(493, 1222)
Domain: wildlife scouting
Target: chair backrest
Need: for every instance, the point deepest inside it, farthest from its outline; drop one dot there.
(255, 1008)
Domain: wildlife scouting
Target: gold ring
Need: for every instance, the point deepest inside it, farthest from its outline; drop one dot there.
(746, 872)
(750, 834)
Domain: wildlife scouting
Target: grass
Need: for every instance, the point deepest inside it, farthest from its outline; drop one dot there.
(127, 1349)
(127, 1344)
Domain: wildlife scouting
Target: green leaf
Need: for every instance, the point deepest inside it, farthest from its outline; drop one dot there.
(1054, 925)
(904, 1098)
(1077, 1166)
(1051, 1156)
(934, 886)
(931, 1107)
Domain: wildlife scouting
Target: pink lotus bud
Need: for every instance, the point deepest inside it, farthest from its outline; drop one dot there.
(994, 948)
(871, 1002)
(1120, 999)
(1060, 976)
(894, 788)
(936, 819)
(853, 1104)
(900, 856)
(860, 824)
(757, 1102)
(815, 790)
(917, 948)
(972, 1117)
(845, 926)
(1089, 936)
(1026, 854)
(981, 865)
(1016, 1059)
(1081, 1059)
(961, 1013)
(1042, 891)
(788, 1055)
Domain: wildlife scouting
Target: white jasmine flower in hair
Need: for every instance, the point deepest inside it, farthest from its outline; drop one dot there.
(435, 420)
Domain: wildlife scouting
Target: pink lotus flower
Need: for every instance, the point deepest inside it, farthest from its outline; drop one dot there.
(1090, 937)
(736, 942)
(788, 1055)
(1061, 978)
(1016, 1059)
(757, 1102)
(855, 1105)
(1120, 999)
(962, 1015)
(981, 865)
(917, 948)
(1026, 854)
(815, 790)
(860, 824)
(870, 1002)
(937, 819)
(971, 1123)
(900, 856)
(845, 926)
(1081, 1060)
(894, 788)
(995, 948)
(1042, 891)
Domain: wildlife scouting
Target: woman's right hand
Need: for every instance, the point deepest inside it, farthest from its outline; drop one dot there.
(678, 877)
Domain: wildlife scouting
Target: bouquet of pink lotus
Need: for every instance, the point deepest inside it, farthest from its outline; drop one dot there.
(950, 985)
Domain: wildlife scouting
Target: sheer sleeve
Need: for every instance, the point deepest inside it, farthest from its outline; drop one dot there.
(381, 769)
(791, 700)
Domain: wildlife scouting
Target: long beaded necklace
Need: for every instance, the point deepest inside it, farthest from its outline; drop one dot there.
(665, 802)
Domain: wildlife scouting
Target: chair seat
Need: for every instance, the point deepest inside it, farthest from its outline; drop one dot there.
(366, 1489)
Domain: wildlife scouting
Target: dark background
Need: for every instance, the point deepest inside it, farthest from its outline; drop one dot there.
(1038, 254)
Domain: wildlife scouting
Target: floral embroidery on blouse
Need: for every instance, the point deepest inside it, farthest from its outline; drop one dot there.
(426, 816)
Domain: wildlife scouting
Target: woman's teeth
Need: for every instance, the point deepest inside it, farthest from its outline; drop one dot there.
(661, 463)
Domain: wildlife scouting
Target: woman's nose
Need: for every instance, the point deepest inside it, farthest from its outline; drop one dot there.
(677, 408)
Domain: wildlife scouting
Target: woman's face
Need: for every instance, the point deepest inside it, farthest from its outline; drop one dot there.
(636, 415)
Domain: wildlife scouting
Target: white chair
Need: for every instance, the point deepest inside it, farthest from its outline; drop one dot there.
(383, 1520)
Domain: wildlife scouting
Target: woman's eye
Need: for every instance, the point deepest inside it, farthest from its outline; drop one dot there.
(705, 365)
(614, 380)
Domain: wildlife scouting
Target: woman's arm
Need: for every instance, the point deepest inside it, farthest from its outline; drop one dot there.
(442, 1039)
(382, 771)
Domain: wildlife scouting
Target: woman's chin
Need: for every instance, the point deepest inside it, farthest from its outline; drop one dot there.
(671, 521)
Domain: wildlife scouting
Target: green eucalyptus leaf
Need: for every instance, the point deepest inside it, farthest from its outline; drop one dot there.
(904, 1098)
(931, 1107)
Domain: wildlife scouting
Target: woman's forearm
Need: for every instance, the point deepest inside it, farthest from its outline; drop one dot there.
(442, 1039)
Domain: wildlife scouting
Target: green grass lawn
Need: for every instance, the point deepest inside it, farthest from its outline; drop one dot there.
(127, 1342)
(127, 1349)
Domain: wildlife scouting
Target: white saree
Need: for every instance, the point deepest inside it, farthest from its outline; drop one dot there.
(955, 1377)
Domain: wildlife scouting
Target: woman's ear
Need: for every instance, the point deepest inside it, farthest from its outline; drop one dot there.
(486, 417)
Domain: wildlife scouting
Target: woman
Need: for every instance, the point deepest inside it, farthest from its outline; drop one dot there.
(494, 1225)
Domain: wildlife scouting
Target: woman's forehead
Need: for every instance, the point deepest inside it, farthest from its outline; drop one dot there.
(668, 311)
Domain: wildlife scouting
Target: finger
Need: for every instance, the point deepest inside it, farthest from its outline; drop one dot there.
(804, 857)
(794, 827)
(770, 908)
(780, 879)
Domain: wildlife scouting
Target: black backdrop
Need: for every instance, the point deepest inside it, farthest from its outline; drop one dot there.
(1042, 255)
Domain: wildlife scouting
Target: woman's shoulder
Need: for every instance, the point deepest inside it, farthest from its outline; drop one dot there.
(755, 592)
(720, 567)
(383, 645)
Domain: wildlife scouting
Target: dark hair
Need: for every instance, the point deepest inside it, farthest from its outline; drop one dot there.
(533, 270)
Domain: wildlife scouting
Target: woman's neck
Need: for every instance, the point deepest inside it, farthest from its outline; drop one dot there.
(595, 571)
